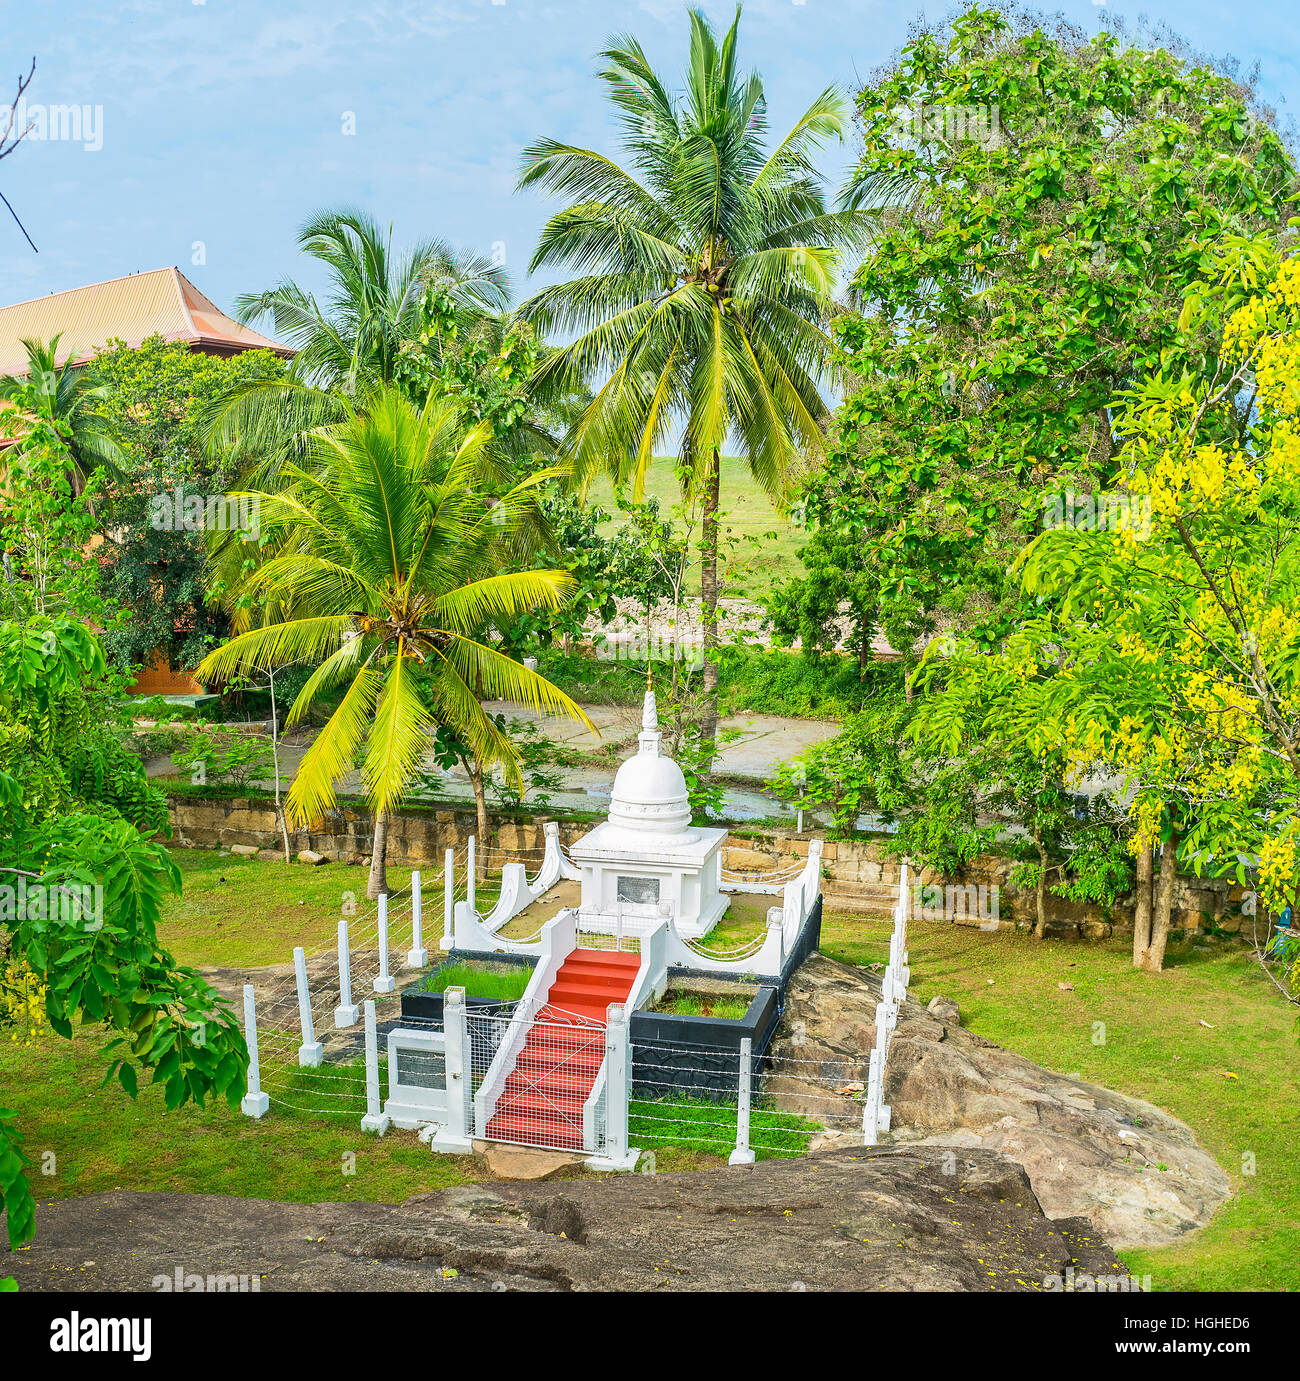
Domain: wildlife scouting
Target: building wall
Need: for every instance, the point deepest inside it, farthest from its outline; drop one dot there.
(857, 876)
(161, 679)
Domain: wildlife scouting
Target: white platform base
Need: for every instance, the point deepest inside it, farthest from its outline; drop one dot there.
(624, 1162)
(346, 1016)
(417, 958)
(375, 1122)
(739, 1157)
(385, 985)
(255, 1104)
(310, 1056)
(446, 943)
(448, 1144)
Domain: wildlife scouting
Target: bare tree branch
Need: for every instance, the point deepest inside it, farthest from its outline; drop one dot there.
(9, 138)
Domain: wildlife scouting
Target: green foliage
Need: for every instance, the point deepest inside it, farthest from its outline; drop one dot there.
(69, 399)
(156, 397)
(212, 756)
(76, 810)
(387, 568)
(1008, 305)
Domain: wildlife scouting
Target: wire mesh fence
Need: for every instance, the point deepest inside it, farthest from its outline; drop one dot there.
(692, 1096)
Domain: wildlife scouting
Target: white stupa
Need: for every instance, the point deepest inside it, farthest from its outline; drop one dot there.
(646, 861)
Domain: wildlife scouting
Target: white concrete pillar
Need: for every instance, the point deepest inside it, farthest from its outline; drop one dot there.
(448, 901)
(743, 1155)
(618, 1090)
(375, 1119)
(871, 1107)
(310, 1052)
(346, 1013)
(471, 876)
(417, 957)
(457, 1133)
(254, 1103)
(385, 983)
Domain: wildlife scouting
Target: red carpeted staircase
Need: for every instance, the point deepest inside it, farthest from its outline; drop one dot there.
(541, 1100)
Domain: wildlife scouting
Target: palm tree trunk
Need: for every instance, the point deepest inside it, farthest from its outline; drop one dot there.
(275, 758)
(1154, 960)
(481, 817)
(1142, 908)
(379, 859)
(709, 593)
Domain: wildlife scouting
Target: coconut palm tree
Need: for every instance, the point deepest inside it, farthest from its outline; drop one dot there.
(354, 339)
(388, 564)
(707, 268)
(66, 396)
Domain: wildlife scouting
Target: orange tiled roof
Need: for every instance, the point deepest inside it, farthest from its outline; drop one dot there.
(162, 302)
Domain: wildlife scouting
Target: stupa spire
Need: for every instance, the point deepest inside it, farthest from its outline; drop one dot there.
(649, 737)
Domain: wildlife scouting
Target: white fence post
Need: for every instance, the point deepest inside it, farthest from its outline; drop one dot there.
(310, 1052)
(385, 983)
(618, 1090)
(455, 1134)
(471, 877)
(871, 1110)
(417, 957)
(254, 1103)
(346, 1013)
(376, 1119)
(448, 900)
(743, 1155)
(776, 921)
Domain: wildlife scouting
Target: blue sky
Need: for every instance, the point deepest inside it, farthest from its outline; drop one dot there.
(223, 120)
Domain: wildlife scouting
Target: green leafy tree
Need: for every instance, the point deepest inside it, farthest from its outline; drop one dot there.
(388, 562)
(1165, 648)
(156, 563)
(71, 398)
(1038, 175)
(81, 890)
(383, 322)
(707, 270)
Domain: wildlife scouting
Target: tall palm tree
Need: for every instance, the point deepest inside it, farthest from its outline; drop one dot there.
(387, 565)
(351, 341)
(66, 396)
(707, 272)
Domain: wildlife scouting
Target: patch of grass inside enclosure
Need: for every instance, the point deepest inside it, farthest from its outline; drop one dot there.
(500, 982)
(687, 1004)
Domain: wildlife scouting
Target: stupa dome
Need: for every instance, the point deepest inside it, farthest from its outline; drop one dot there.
(649, 795)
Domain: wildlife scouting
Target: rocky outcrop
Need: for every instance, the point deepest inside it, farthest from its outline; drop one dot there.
(856, 1219)
(1133, 1171)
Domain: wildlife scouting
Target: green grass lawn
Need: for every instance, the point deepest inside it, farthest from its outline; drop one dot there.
(237, 911)
(1234, 1081)
(749, 570)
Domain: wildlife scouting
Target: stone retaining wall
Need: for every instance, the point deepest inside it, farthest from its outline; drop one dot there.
(858, 876)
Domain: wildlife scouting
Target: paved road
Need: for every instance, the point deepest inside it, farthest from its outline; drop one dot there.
(765, 741)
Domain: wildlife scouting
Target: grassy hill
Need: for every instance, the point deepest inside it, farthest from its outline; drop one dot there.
(749, 569)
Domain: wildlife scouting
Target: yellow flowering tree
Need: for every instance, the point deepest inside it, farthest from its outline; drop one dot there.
(1166, 638)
